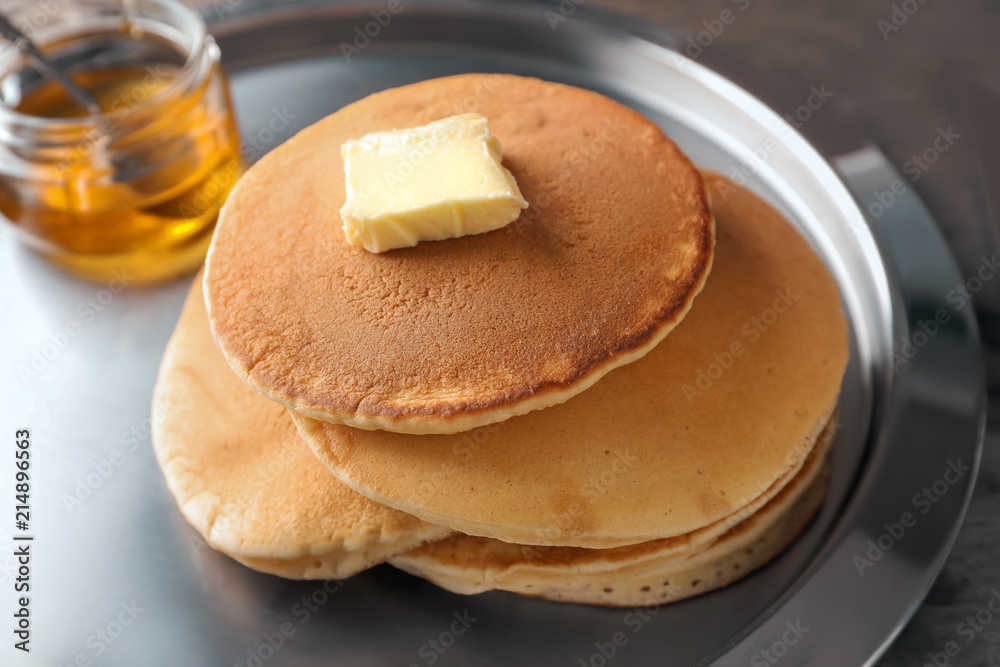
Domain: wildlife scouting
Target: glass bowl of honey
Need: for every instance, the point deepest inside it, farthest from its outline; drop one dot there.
(135, 190)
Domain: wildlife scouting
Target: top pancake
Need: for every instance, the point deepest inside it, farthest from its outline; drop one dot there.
(698, 429)
(453, 334)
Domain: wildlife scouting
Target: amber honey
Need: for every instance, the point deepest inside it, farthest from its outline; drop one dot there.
(138, 189)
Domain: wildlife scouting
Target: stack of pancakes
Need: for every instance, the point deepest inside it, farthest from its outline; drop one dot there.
(627, 395)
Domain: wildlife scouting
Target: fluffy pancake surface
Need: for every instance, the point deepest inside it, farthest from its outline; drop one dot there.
(645, 453)
(449, 335)
(244, 479)
(654, 572)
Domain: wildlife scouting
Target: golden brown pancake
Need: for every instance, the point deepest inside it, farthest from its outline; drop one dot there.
(701, 427)
(653, 572)
(453, 334)
(245, 480)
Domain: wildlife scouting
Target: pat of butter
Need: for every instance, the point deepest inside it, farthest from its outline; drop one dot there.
(438, 181)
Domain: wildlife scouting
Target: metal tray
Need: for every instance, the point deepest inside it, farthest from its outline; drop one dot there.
(111, 546)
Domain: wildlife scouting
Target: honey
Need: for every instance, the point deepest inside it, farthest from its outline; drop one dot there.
(136, 190)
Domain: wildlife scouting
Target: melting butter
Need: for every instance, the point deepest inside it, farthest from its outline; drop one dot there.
(438, 181)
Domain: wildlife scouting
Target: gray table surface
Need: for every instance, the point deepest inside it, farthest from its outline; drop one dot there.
(901, 91)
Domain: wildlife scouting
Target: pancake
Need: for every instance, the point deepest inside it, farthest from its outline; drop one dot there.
(243, 478)
(701, 427)
(654, 572)
(455, 334)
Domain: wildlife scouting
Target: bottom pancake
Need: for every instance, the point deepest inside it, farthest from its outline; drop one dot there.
(654, 572)
(244, 479)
